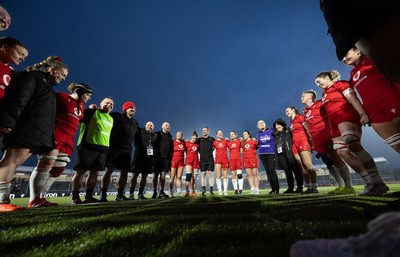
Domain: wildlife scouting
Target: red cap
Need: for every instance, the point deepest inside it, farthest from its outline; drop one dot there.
(128, 105)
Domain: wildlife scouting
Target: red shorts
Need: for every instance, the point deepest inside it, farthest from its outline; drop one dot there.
(349, 115)
(250, 162)
(193, 161)
(323, 142)
(223, 161)
(385, 110)
(177, 163)
(300, 144)
(64, 141)
(235, 164)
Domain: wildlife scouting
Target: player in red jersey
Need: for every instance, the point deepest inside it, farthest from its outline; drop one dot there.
(250, 161)
(346, 114)
(323, 145)
(69, 111)
(192, 164)
(235, 162)
(380, 97)
(221, 162)
(11, 52)
(302, 148)
(177, 164)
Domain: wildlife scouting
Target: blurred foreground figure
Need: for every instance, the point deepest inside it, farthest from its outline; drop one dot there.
(373, 26)
(381, 240)
(5, 19)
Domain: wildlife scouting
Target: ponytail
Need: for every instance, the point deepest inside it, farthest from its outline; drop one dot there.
(50, 62)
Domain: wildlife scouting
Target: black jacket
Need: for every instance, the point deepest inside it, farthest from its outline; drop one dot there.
(29, 109)
(163, 145)
(142, 140)
(123, 131)
(284, 139)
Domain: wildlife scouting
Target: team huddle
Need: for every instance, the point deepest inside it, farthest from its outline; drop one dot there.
(35, 120)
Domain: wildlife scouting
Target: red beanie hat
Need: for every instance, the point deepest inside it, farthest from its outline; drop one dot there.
(128, 105)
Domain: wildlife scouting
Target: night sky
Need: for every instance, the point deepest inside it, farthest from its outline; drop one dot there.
(224, 64)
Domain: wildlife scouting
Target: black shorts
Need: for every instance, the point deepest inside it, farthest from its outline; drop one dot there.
(206, 165)
(161, 165)
(119, 158)
(142, 165)
(90, 159)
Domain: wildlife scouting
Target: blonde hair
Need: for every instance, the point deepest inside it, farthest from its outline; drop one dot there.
(50, 62)
(333, 75)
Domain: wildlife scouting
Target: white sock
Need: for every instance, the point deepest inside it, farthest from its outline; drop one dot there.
(235, 183)
(240, 184)
(345, 174)
(219, 184)
(226, 181)
(179, 192)
(240, 181)
(49, 182)
(364, 175)
(36, 182)
(368, 162)
(335, 174)
(5, 190)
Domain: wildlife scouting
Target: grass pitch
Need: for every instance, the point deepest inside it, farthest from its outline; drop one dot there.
(246, 225)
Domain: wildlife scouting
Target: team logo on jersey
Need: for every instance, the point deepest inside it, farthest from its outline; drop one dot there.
(323, 97)
(356, 76)
(265, 138)
(194, 148)
(77, 112)
(6, 79)
(220, 145)
(291, 127)
(180, 146)
(308, 113)
(234, 145)
(247, 146)
(393, 110)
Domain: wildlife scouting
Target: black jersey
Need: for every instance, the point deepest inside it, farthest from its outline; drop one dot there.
(206, 148)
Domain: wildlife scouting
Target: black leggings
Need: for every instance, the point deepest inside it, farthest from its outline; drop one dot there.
(268, 161)
(289, 171)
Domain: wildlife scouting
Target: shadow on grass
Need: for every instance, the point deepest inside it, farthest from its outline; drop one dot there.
(203, 226)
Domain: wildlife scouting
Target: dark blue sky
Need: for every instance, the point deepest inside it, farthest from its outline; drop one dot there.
(218, 63)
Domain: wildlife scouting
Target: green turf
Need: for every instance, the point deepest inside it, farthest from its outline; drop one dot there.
(247, 225)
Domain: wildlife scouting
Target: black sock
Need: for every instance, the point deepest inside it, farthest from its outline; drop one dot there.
(141, 189)
(89, 193)
(204, 188)
(131, 190)
(120, 192)
(104, 192)
(75, 194)
(211, 189)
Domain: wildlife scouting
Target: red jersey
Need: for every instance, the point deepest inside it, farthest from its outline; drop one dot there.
(68, 113)
(315, 119)
(371, 85)
(296, 126)
(250, 148)
(179, 149)
(334, 100)
(192, 149)
(221, 147)
(234, 147)
(5, 71)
